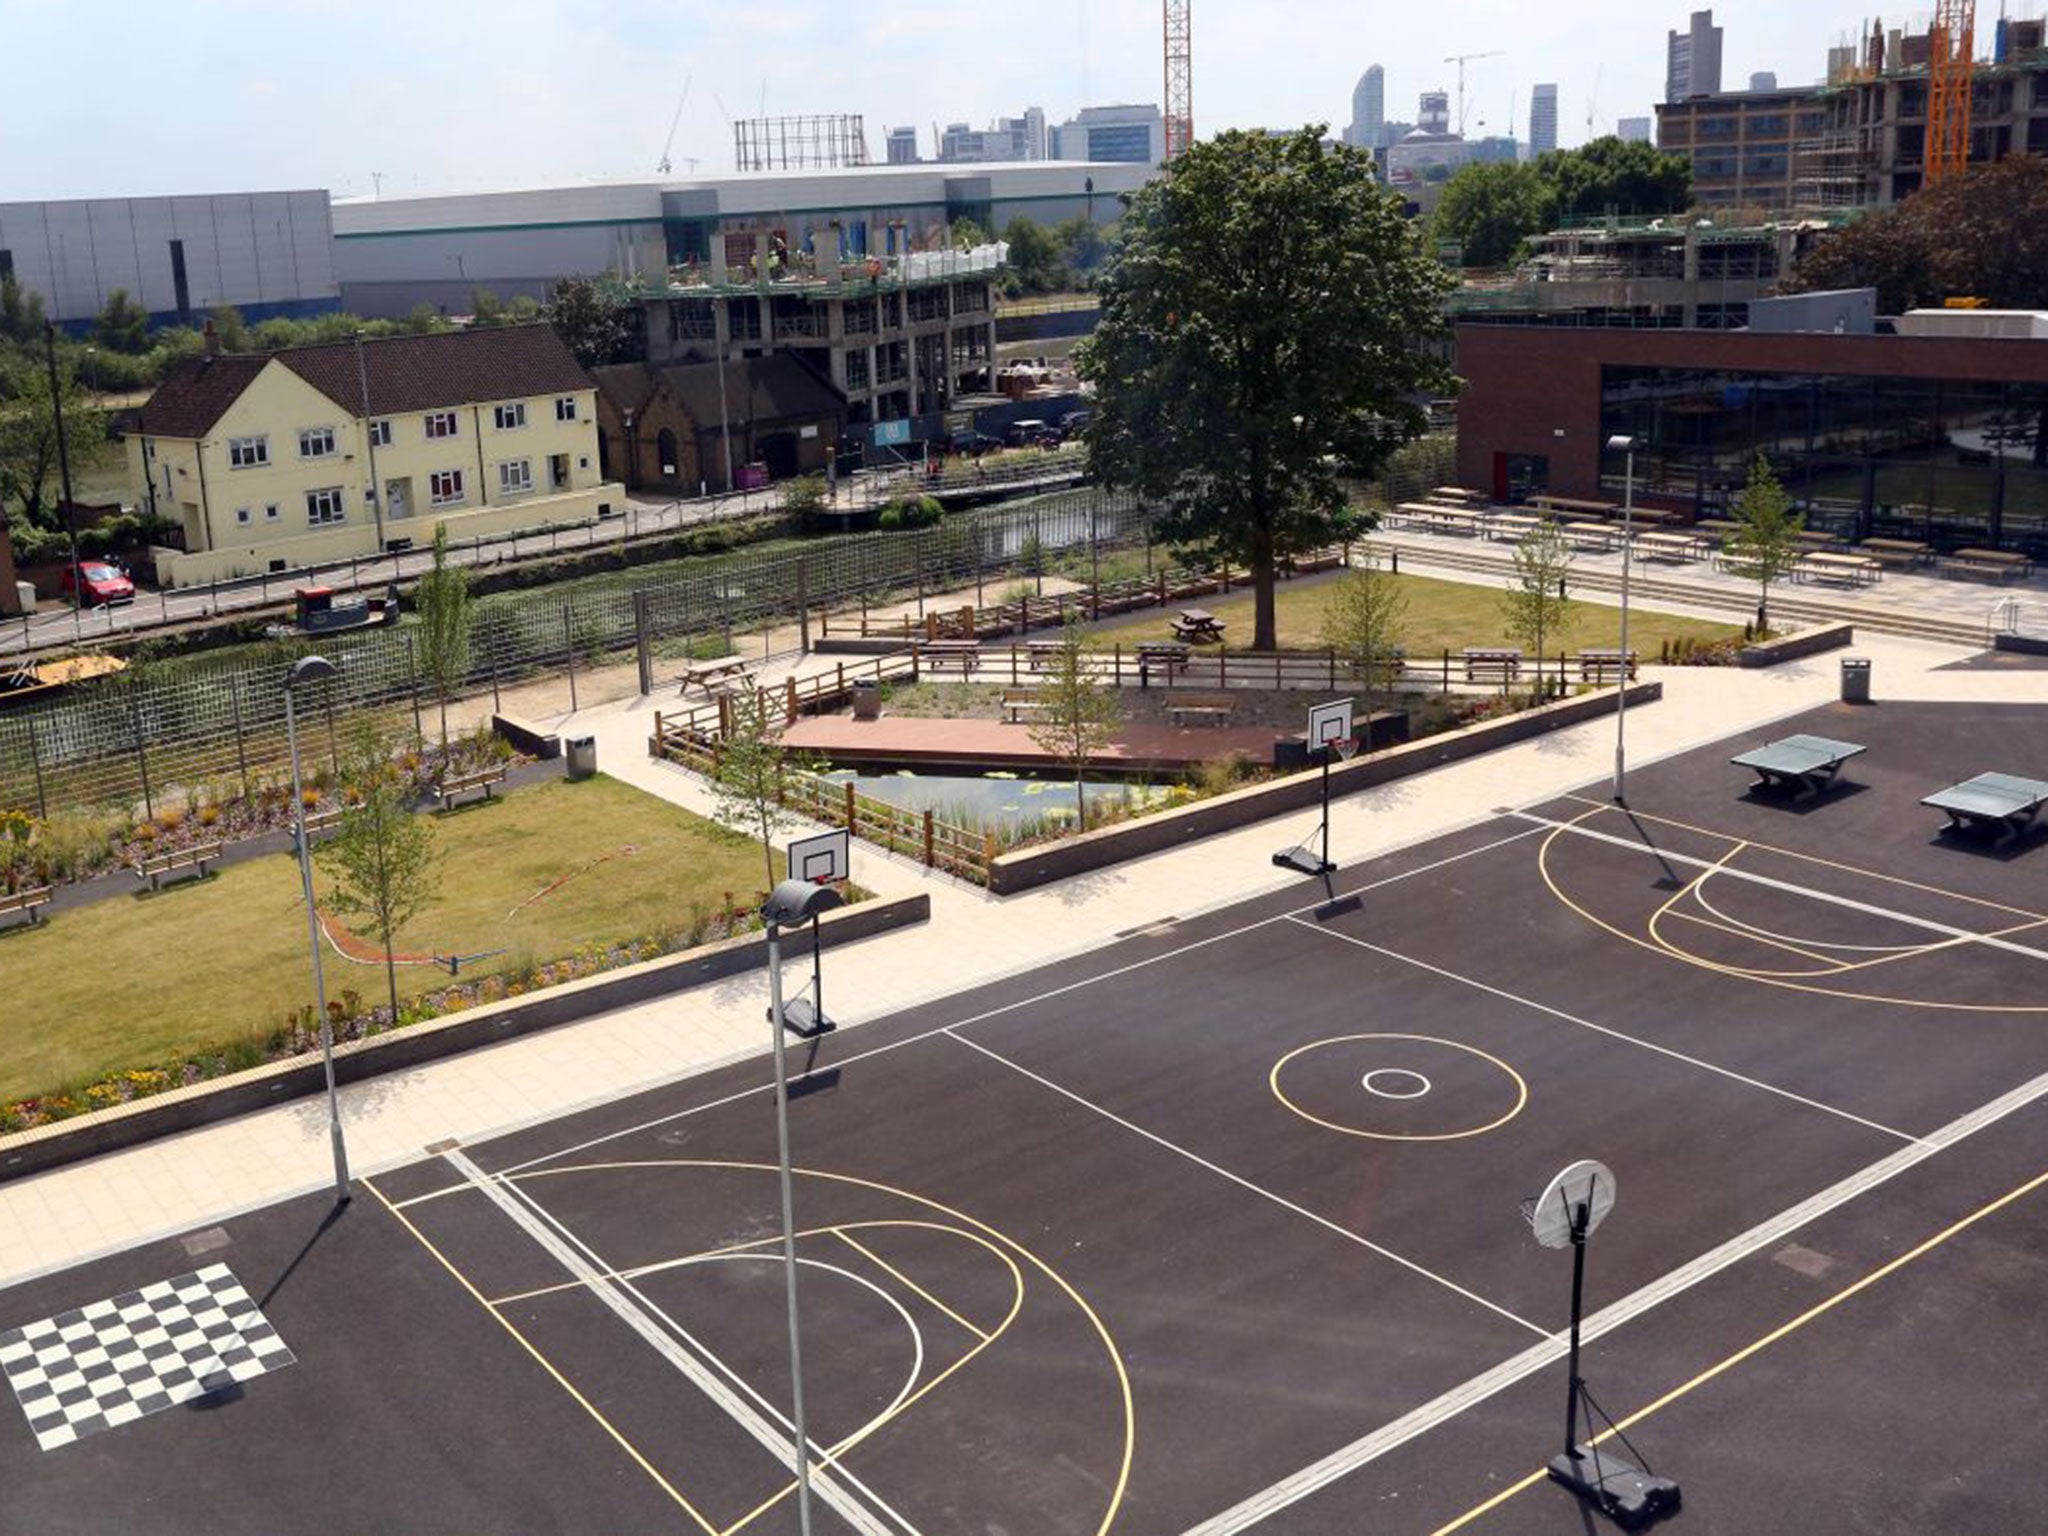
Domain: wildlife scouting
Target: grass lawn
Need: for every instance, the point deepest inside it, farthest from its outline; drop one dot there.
(1442, 615)
(136, 980)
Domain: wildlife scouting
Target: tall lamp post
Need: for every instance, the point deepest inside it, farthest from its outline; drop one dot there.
(791, 903)
(313, 669)
(1624, 444)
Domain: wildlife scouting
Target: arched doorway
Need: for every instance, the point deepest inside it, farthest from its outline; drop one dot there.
(671, 462)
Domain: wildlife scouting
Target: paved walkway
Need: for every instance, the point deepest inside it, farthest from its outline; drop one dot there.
(192, 1180)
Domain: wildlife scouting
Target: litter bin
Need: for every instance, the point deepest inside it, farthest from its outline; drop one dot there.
(867, 698)
(582, 756)
(1855, 679)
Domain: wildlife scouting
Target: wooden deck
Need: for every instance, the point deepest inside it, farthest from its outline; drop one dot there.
(976, 745)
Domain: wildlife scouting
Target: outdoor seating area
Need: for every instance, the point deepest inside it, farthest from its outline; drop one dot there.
(1202, 708)
(1020, 704)
(1492, 664)
(28, 901)
(711, 678)
(192, 861)
(459, 784)
(961, 655)
(1856, 570)
(1197, 624)
(1997, 564)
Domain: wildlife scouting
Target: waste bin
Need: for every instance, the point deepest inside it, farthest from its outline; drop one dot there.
(1855, 679)
(582, 752)
(867, 699)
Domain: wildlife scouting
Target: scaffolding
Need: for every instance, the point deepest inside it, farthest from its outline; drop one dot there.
(818, 142)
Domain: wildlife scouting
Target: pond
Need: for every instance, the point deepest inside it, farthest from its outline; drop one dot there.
(995, 800)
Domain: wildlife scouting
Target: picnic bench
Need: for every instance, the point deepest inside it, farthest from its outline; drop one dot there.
(30, 899)
(1167, 657)
(1857, 570)
(939, 654)
(1209, 708)
(712, 678)
(1717, 528)
(1598, 537)
(2003, 802)
(152, 868)
(1574, 505)
(1512, 526)
(1018, 703)
(1492, 664)
(1906, 552)
(1806, 765)
(1819, 539)
(1999, 564)
(1197, 624)
(1671, 546)
(1600, 664)
(1041, 654)
(1458, 493)
(485, 779)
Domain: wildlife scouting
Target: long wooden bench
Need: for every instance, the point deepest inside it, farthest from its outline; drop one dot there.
(938, 654)
(1999, 564)
(1209, 708)
(1602, 665)
(1019, 703)
(1858, 570)
(152, 869)
(1492, 664)
(485, 779)
(1904, 552)
(30, 899)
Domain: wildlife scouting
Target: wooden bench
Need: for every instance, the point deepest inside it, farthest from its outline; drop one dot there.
(939, 654)
(151, 870)
(1042, 653)
(30, 899)
(1906, 552)
(1492, 664)
(1601, 665)
(1857, 570)
(1598, 537)
(1999, 564)
(1166, 657)
(1209, 708)
(1512, 527)
(1671, 546)
(455, 784)
(1019, 703)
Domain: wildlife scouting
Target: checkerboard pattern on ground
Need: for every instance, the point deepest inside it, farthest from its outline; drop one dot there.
(114, 1361)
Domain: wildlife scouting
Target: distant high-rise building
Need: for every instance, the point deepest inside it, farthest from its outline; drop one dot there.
(903, 146)
(1433, 113)
(1128, 134)
(1008, 138)
(1368, 109)
(1633, 130)
(1692, 59)
(1542, 119)
(1764, 80)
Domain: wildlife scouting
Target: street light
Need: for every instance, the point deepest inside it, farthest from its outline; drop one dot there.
(1622, 443)
(791, 903)
(313, 669)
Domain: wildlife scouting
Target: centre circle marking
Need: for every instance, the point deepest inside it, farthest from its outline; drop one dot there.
(1378, 1090)
(1521, 1088)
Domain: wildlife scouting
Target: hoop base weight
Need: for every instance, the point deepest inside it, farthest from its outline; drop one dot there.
(1620, 1490)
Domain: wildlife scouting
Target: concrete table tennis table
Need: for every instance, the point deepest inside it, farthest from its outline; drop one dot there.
(1805, 764)
(2001, 800)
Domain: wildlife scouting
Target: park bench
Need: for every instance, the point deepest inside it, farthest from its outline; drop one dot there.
(1857, 570)
(935, 655)
(2003, 802)
(1600, 665)
(712, 678)
(1492, 664)
(30, 899)
(455, 784)
(1042, 653)
(1999, 564)
(1169, 658)
(1208, 708)
(152, 869)
(1905, 552)
(318, 822)
(1021, 703)
(1805, 764)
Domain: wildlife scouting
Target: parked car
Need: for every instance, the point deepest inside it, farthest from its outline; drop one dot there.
(97, 583)
(973, 444)
(1024, 434)
(1072, 424)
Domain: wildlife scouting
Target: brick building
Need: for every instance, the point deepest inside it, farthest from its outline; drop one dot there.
(661, 426)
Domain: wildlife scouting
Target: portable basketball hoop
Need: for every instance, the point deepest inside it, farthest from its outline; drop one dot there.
(823, 860)
(1568, 1211)
(1329, 735)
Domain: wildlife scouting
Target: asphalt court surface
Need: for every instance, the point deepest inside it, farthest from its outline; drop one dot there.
(1126, 1242)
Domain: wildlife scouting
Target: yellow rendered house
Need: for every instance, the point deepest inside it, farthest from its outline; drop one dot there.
(318, 454)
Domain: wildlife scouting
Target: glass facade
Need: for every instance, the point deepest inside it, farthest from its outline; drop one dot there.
(1952, 462)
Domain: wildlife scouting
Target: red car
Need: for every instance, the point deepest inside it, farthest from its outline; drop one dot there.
(101, 583)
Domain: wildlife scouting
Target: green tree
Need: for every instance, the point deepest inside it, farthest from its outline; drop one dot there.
(597, 318)
(1535, 606)
(1035, 257)
(967, 233)
(486, 308)
(746, 785)
(1362, 624)
(1618, 176)
(1488, 210)
(446, 617)
(802, 500)
(29, 481)
(381, 858)
(230, 329)
(425, 320)
(122, 324)
(1765, 541)
(21, 312)
(1081, 244)
(1078, 715)
(1268, 328)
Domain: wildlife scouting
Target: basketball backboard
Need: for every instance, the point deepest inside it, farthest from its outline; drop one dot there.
(821, 859)
(1328, 724)
(1584, 1183)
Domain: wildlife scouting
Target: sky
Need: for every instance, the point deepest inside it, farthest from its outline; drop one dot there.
(147, 97)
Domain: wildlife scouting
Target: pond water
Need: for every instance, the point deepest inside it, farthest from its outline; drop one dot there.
(993, 800)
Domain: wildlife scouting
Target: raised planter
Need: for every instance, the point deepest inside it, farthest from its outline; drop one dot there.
(2025, 645)
(1812, 642)
(527, 737)
(222, 1098)
(1029, 867)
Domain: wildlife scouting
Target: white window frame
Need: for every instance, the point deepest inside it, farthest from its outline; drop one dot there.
(565, 408)
(442, 418)
(519, 485)
(454, 496)
(248, 452)
(326, 507)
(509, 418)
(311, 441)
(380, 433)
(242, 516)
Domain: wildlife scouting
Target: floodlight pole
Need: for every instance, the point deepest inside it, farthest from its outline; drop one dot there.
(796, 1367)
(1628, 539)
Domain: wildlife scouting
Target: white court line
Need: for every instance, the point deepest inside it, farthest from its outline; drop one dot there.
(1243, 1183)
(597, 1279)
(1447, 1406)
(1611, 1033)
(1731, 872)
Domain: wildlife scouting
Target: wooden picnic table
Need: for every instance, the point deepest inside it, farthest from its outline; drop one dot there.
(1717, 528)
(1860, 570)
(713, 677)
(1169, 657)
(1575, 504)
(2004, 564)
(1598, 536)
(1512, 526)
(1198, 624)
(1459, 493)
(938, 654)
(1492, 664)
(1815, 538)
(1672, 546)
(1908, 552)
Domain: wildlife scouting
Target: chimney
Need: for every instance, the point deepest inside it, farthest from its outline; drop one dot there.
(212, 340)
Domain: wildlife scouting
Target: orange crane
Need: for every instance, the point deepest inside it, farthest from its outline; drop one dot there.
(1951, 66)
(1180, 79)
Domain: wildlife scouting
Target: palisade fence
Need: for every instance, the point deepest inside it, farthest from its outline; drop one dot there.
(147, 739)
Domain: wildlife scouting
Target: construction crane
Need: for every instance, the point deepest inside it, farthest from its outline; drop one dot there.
(673, 123)
(1180, 79)
(1951, 65)
(1461, 60)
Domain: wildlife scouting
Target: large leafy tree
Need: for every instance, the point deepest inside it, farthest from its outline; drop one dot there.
(1490, 209)
(29, 480)
(1621, 176)
(597, 318)
(1268, 329)
(122, 325)
(1035, 258)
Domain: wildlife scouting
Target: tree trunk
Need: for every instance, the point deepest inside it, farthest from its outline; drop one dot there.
(444, 729)
(1265, 630)
(391, 977)
(768, 854)
(1080, 798)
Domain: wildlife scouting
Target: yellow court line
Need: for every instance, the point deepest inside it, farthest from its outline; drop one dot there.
(1692, 888)
(1828, 966)
(859, 1247)
(547, 1365)
(1809, 858)
(1721, 1367)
